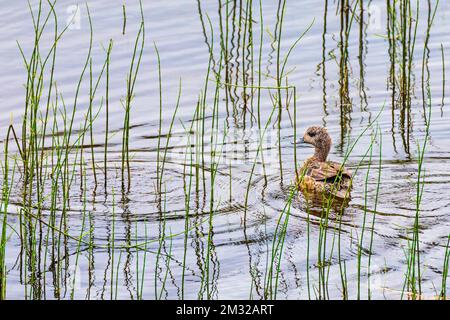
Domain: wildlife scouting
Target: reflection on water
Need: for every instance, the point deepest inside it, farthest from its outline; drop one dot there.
(209, 224)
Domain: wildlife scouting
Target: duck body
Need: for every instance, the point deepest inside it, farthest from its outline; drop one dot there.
(319, 176)
(324, 177)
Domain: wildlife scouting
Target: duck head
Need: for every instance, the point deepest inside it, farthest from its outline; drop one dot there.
(320, 139)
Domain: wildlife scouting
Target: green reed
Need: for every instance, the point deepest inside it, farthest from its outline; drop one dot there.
(443, 293)
(169, 134)
(402, 26)
(105, 156)
(280, 18)
(413, 275)
(328, 202)
(62, 170)
(62, 161)
(111, 245)
(81, 236)
(48, 246)
(89, 121)
(274, 268)
(158, 177)
(377, 193)
(363, 227)
(131, 81)
(187, 188)
(6, 192)
(124, 15)
(215, 157)
(33, 139)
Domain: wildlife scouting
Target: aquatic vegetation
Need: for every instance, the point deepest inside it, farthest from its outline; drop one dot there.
(194, 195)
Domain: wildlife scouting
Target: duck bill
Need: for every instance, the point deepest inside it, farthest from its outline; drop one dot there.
(302, 143)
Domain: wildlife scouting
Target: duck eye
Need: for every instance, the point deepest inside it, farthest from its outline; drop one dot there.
(311, 134)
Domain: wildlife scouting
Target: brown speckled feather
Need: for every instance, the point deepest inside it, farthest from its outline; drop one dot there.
(321, 171)
(323, 177)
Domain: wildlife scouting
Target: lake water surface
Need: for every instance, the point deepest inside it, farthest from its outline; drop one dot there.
(231, 248)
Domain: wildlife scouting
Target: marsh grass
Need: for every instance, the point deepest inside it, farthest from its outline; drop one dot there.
(131, 81)
(6, 192)
(48, 172)
(329, 201)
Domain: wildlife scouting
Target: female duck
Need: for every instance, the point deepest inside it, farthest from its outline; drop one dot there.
(319, 175)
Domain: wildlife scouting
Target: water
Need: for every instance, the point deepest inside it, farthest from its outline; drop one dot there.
(238, 252)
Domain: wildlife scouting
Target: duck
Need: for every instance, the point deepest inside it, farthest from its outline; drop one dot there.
(319, 176)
